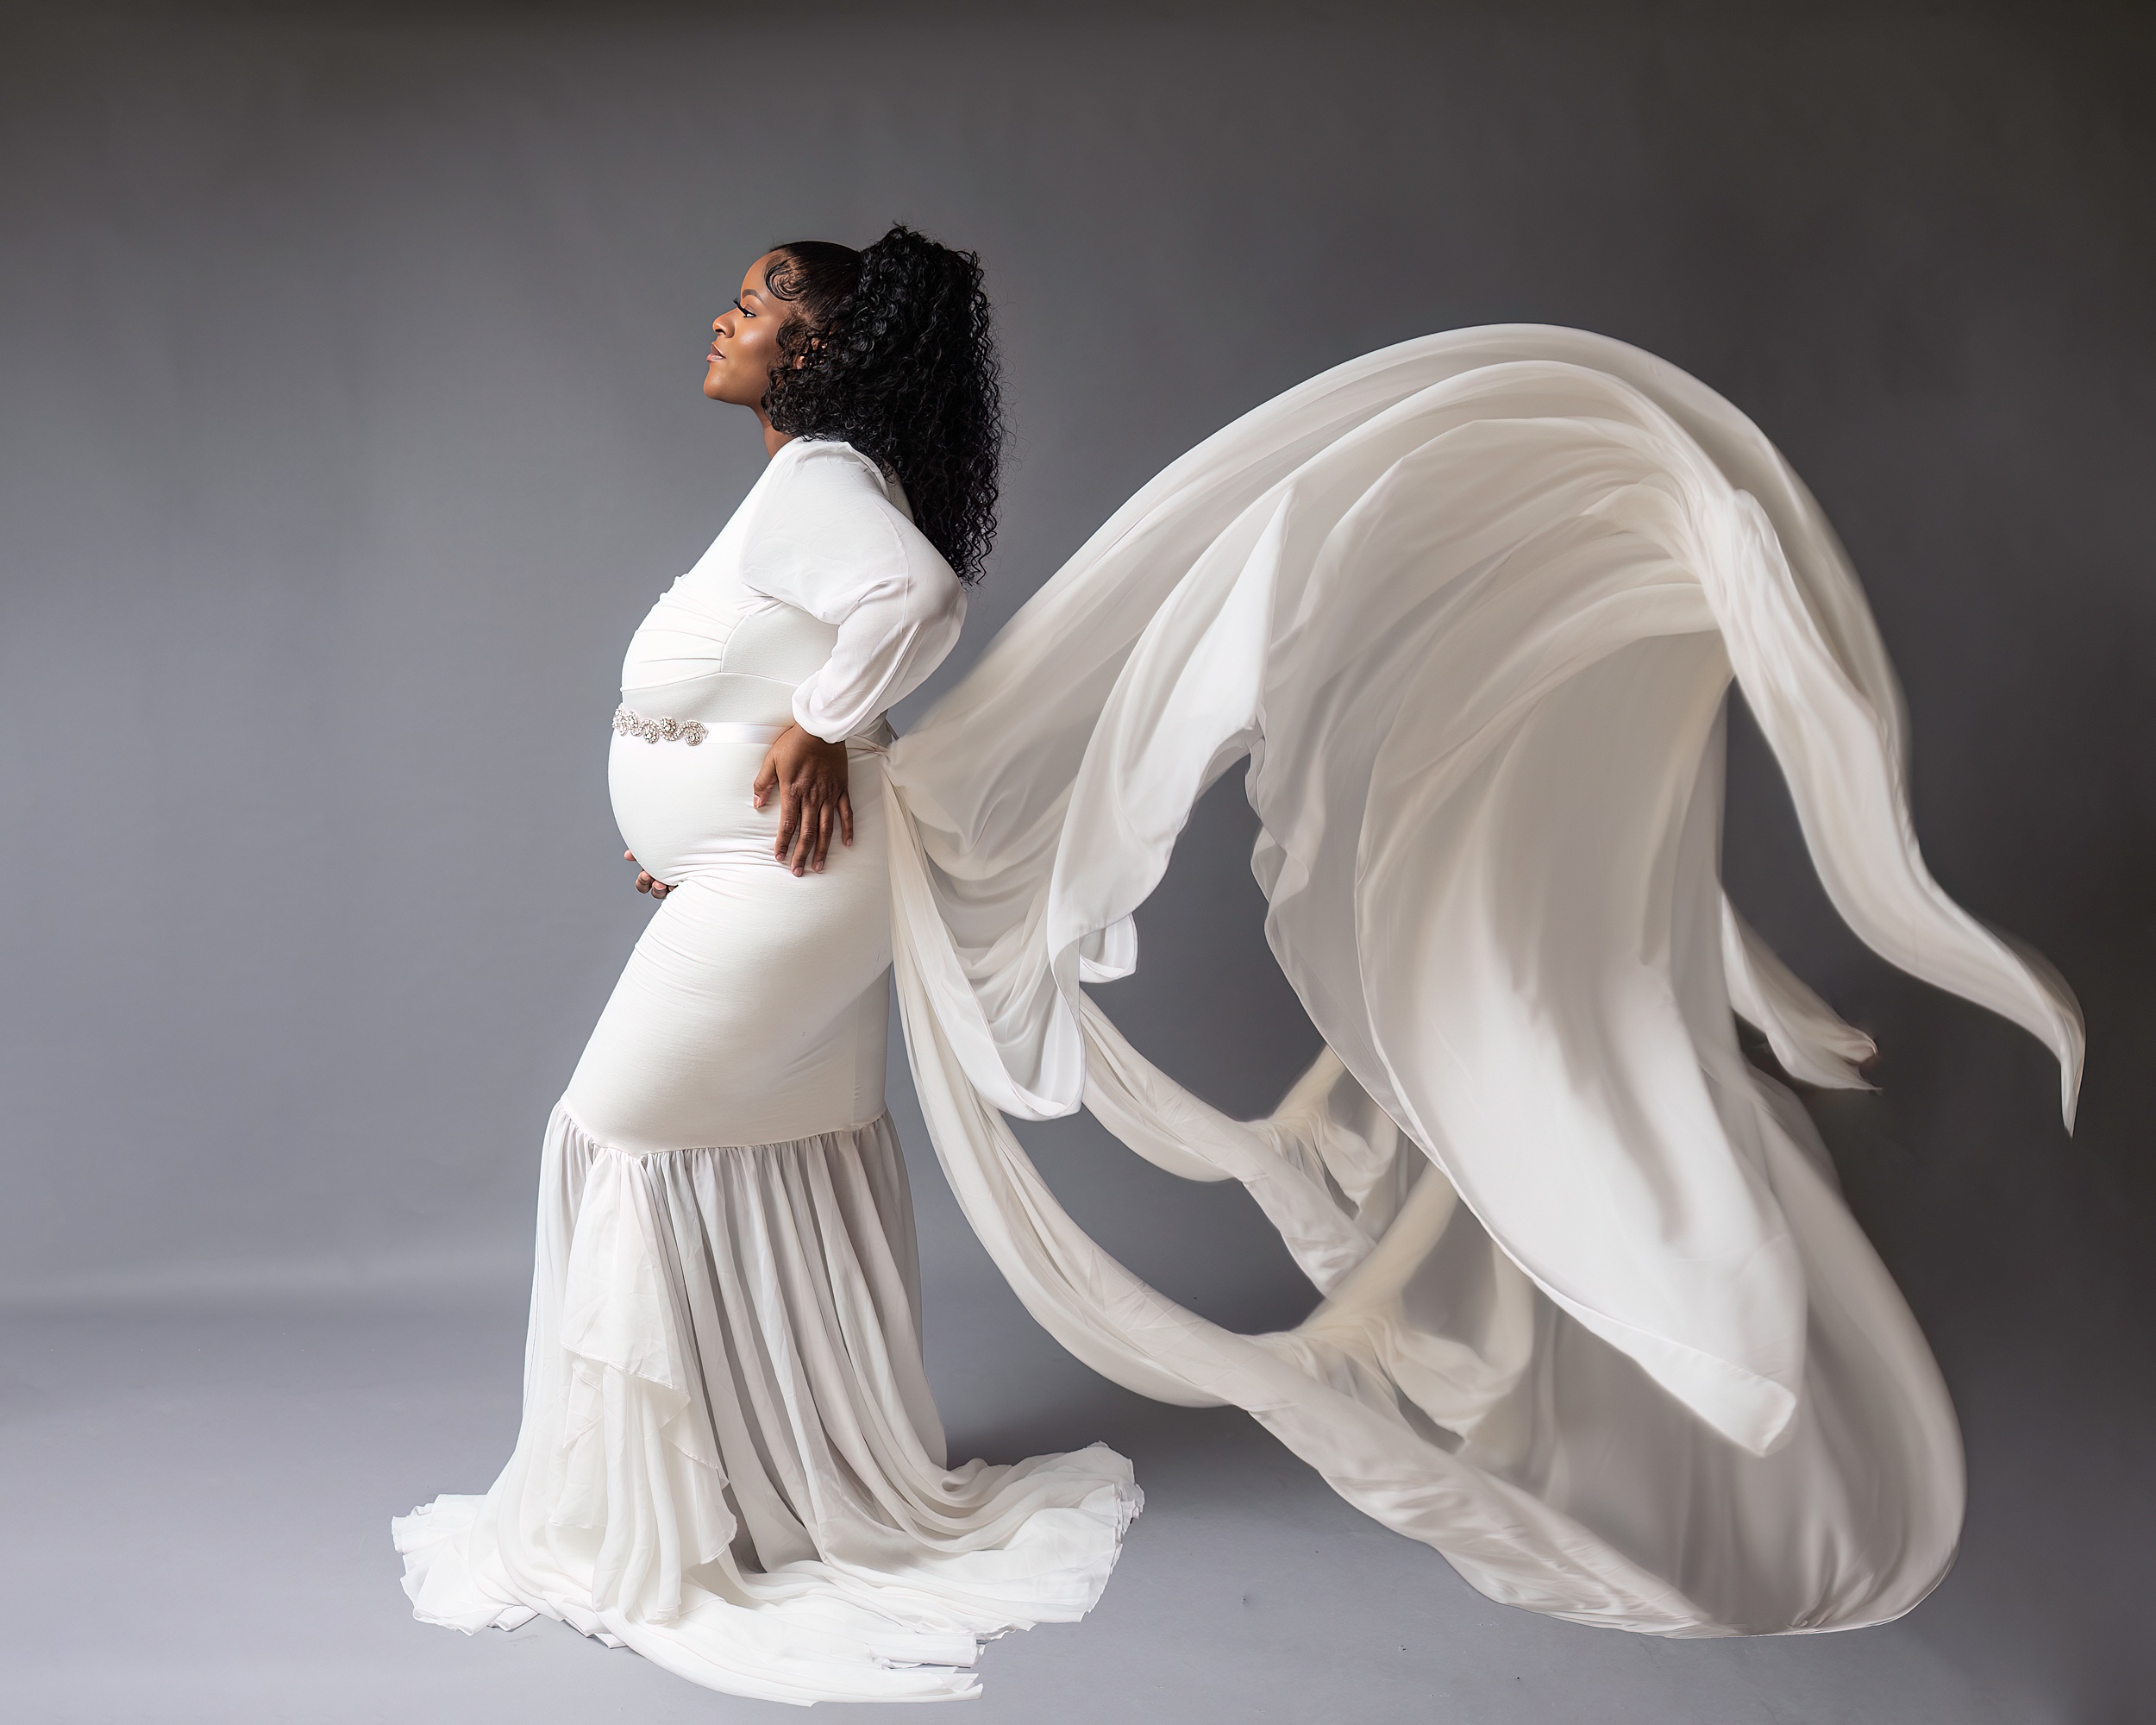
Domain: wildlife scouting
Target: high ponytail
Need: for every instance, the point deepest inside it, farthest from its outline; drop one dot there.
(889, 350)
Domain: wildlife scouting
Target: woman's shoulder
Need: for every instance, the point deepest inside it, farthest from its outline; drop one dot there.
(825, 506)
(826, 481)
(827, 463)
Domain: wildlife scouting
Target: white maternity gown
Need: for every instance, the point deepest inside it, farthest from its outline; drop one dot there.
(1594, 1322)
(729, 1459)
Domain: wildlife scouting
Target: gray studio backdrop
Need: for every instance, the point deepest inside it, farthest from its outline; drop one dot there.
(348, 369)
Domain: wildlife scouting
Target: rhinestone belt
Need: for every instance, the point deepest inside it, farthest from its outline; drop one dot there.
(627, 721)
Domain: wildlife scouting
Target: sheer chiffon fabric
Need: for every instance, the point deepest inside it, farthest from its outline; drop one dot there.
(729, 1459)
(1596, 1323)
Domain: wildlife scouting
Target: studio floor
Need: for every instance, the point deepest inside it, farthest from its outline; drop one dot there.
(200, 1533)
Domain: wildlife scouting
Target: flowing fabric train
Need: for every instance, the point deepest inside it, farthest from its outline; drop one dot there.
(1596, 1325)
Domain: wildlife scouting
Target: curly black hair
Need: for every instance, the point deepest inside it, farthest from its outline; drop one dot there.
(889, 350)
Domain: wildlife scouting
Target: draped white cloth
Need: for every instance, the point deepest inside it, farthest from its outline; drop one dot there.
(1596, 1325)
(729, 1461)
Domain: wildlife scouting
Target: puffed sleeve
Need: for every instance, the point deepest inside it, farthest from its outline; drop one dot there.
(829, 539)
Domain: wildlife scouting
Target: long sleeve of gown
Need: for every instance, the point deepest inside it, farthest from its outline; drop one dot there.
(831, 540)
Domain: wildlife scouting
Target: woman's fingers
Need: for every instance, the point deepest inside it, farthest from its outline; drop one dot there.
(809, 775)
(826, 818)
(789, 819)
(812, 811)
(793, 806)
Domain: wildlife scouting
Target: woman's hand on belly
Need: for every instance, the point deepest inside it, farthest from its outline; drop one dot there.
(809, 775)
(658, 889)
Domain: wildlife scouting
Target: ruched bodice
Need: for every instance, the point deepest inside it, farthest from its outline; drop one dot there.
(717, 650)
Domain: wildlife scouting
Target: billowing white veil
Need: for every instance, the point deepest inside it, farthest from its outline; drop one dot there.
(1597, 1324)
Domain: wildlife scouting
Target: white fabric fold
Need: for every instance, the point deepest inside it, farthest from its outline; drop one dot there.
(1471, 606)
(729, 1461)
(1813, 1045)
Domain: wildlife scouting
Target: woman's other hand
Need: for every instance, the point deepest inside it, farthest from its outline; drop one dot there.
(658, 889)
(809, 777)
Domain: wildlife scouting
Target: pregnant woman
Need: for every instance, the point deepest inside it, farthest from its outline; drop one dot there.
(729, 1461)
(1590, 1315)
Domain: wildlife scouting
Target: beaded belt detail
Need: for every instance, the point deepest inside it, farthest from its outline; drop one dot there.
(627, 721)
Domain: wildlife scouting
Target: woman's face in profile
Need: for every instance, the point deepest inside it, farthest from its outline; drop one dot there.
(745, 340)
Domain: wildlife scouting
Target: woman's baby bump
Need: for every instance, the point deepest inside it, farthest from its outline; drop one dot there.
(682, 808)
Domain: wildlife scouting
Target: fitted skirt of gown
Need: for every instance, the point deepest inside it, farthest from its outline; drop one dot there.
(729, 1459)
